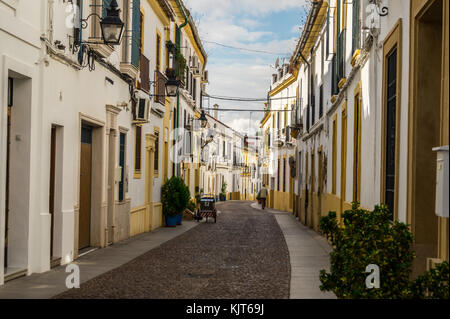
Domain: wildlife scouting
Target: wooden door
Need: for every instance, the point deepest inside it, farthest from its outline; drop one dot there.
(313, 185)
(320, 185)
(85, 188)
(111, 186)
(52, 188)
(307, 199)
(8, 154)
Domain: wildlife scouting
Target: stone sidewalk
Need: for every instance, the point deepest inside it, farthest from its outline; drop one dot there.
(308, 252)
(100, 261)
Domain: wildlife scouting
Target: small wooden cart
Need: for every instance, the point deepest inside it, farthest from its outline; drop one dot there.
(207, 208)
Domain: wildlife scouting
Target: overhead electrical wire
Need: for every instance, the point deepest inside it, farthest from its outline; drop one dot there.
(244, 99)
(244, 110)
(245, 49)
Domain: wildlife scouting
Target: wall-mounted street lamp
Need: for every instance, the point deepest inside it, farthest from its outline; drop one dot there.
(203, 120)
(172, 85)
(111, 27)
(381, 10)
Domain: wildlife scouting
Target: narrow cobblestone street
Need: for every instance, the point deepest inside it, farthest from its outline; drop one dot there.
(243, 255)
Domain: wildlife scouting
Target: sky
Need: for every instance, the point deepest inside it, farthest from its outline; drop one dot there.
(265, 25)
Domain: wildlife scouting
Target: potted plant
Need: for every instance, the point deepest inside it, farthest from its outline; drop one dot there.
(174, 197)
(223, 192)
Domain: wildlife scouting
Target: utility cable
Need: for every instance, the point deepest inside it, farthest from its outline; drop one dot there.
(245, 49)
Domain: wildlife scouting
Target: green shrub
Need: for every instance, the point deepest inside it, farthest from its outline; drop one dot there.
(175, 196)
(367, 238)
(433, 284)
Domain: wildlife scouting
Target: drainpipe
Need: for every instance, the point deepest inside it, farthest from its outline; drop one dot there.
(178, 37)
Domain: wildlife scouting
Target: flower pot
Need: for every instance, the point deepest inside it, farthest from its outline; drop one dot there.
(179, 219)
(171, 221)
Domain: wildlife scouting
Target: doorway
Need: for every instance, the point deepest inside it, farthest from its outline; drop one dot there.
(313, 186)
(17, 175)
(84, 230)
(8, 155)
(111, 186)
(320, 185)
(426, 110)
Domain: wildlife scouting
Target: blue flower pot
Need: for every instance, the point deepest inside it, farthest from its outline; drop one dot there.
(171, 221)
(179, 219)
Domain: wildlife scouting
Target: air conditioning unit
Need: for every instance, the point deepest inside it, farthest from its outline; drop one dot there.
(141, 113)
(205, 77)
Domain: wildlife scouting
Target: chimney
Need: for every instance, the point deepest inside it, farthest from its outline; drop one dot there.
(216, 112)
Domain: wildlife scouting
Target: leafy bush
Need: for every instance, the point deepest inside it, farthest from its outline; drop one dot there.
(367, 238)
(223, 191)
(175, 196)
(433, 284)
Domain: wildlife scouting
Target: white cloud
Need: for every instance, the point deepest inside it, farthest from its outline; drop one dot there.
(238, 73)
(254, 7)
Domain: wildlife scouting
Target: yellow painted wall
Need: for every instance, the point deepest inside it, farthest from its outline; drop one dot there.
(157, 216)
(139, 221)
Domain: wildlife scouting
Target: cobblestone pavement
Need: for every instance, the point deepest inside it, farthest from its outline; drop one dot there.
(244, 255)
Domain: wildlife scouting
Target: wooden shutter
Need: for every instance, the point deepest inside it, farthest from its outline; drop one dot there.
(355, 26)
(135, 34)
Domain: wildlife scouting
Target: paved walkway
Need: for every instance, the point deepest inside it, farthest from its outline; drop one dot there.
(51, 283)
(308, 253)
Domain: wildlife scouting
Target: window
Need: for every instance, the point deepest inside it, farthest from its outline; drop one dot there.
(158, 52)
(194, 90)
(334, 159)
(390, 130)
(278, 175)
(167, 38)
(321, 101)
(138, 151)
(328, 35)
(122, 156)
(136, 34)
(191, 83)
(141, 33)
(355, 25)
(156, 163)
(223, 148)
(126, 27)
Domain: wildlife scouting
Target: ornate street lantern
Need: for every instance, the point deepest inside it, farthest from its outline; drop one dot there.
(111, 25)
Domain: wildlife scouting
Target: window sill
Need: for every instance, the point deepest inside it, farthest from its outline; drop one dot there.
(355, 57)
(333, 99)
(137, 175)
(342, 83)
